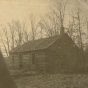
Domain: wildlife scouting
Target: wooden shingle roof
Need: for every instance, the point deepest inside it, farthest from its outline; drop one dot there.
(36, 44)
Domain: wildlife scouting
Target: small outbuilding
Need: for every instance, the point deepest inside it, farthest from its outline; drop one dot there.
(51, 55)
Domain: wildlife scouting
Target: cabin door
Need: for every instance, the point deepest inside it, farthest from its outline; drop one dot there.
(20, 60)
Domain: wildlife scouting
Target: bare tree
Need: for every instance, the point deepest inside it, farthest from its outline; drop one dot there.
(79, 18)
(76, 26)
(77, 33)
(54, 20)
(19, 32)
(4, 37)
(25, 32)
(7, 37)
(12, 32)
(87, 23)
(4, 45)
(33, 26)
(61, 8)
(47, 26)
(14, 35)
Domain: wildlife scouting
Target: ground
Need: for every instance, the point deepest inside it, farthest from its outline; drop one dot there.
(52, 81)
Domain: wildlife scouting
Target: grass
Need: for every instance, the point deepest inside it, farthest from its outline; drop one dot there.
(53, 81)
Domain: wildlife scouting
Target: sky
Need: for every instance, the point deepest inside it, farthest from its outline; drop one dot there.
(20, 9)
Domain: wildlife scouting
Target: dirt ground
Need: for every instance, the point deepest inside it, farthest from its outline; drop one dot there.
(53, 81)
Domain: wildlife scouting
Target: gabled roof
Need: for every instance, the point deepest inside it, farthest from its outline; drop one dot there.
(36, 44)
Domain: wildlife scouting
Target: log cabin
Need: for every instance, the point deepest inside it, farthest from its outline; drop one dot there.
(56, 54)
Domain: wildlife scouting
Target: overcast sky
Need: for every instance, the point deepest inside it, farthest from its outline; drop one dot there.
(20, 9)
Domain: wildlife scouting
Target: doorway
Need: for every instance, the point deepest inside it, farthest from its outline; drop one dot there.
(20, 60)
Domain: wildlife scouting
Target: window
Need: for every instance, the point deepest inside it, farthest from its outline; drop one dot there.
(33, 59)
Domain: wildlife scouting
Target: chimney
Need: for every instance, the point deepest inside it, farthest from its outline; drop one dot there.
(62, 30)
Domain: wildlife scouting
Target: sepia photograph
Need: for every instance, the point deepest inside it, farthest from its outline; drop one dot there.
(43, 43)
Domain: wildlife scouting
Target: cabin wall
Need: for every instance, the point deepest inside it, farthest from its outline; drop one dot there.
(27, 63)
(63, 55)
(14, 61)
(40, 61)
